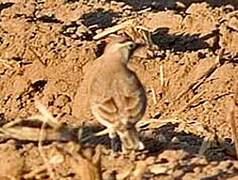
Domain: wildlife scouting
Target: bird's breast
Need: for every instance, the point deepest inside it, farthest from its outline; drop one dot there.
(118, 92)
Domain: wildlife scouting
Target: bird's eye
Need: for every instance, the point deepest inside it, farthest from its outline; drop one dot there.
(131, 46)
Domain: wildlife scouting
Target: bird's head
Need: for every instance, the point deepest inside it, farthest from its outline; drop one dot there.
(120, 48)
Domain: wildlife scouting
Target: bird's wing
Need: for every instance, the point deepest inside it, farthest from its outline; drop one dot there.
(101, 95)
(130, 95)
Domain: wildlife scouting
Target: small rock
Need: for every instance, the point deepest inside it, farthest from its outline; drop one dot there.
(11, 163)
(67, 109)
(161, 138)
(235, 164)
(199, 161)
(175, 140)
(233, 23)
(20, 85)
(159, 169)
(61, 101)
(178, 173)
(197, 8)
(173, 155)
(197, 170)
(150, 160)
(225, 165)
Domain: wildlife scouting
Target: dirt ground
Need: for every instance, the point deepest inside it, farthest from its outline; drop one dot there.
(45, 46)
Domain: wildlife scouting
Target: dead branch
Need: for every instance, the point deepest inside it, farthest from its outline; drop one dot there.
(49, 168)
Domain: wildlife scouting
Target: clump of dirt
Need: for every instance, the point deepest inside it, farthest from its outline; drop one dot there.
(11, 161)
(46, 47)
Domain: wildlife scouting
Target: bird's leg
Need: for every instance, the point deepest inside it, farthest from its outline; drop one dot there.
(130, 139)
(112, 136)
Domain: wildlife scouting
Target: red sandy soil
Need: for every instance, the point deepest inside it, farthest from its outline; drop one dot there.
(45, 46)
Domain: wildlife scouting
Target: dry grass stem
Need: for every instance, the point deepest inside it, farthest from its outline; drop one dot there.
(8, 63)
(54, 161)
(161, 70)
(56, 132)
(154, 96)
(47, 117)
(157, 123)
(42, 154)
(12, 123)
(33, 173)
(36, 55)
(186, 106)
(113, 29)
(32, 134)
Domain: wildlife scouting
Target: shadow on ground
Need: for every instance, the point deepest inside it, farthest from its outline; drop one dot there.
(158, 140)
(183, 42)
(99, 18)
(5, 5)
(172, 4)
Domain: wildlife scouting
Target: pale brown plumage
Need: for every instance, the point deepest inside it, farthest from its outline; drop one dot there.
(115, 95)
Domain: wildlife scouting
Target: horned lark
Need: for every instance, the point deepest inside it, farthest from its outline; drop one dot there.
(115, 95)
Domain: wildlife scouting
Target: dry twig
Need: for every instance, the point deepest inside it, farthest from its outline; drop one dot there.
(56, 159)
(58, 131)
(113, 29)
(186, 106)
(42, 154)
(132, 29)
(154, 96)
(46, 118)
(9, 63)
(161, 70)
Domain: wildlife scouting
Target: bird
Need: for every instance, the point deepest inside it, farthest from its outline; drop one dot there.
(115, 95)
